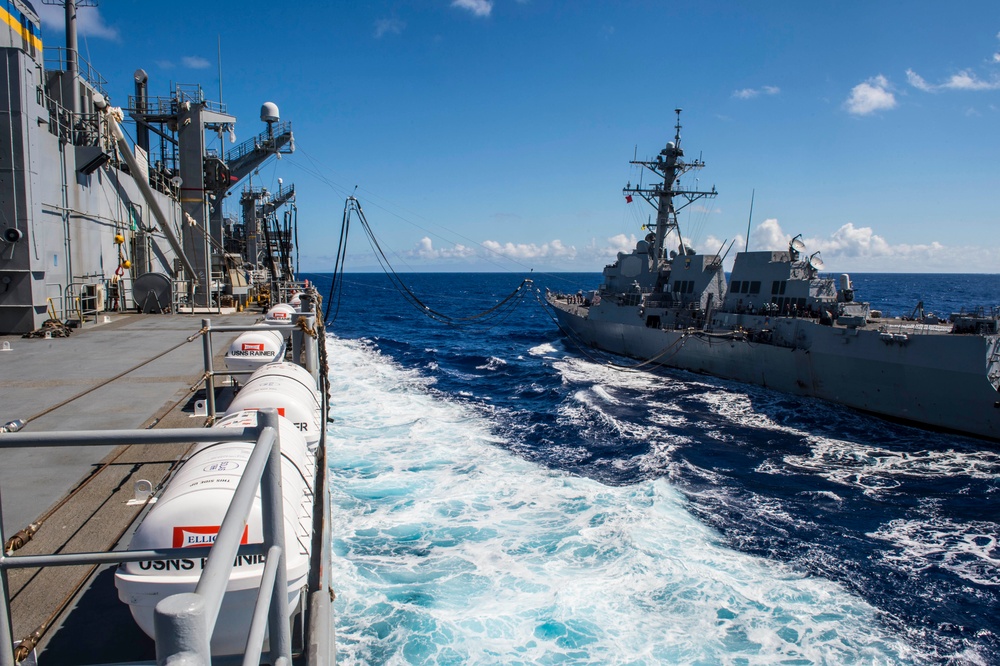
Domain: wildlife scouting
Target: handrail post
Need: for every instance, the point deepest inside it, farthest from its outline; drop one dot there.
(6, 630)
(209, 368)
(297, 337)
(258, 623)
(311, 342)
(182, 631)
(272, 517)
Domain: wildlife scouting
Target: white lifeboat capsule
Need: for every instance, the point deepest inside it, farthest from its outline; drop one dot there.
(252, 349)
(189, 514)
(290, 389)
(282, 313)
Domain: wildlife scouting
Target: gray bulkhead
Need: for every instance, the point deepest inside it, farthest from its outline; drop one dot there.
(62, 196)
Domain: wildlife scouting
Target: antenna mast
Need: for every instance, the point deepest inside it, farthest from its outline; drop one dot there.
(669, 166)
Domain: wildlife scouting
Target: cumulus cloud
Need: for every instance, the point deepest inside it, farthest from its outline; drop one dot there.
(425, 250)
(477, 7)
(620, 243)
(964, 80)
(195, 62)
(860, 248)
(89, 22)
(750, 93)
(847, 241)
(552, 250)
(871, 96)
(388, 26)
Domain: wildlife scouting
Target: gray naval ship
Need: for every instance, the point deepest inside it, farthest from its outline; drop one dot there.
(778, 323)
(130, 311)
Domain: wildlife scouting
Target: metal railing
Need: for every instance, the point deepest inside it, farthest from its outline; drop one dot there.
(184, 623)
(57, 59)
(265, 141)
(305, 347)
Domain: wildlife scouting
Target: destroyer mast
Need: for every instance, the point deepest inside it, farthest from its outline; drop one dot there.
(670, 167)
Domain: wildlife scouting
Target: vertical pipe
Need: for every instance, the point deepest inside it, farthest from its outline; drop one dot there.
(209, 367)
(72, 69)
(141, 89)
(272, 515)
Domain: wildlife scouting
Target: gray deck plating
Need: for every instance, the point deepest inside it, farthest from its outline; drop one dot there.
(38, 374)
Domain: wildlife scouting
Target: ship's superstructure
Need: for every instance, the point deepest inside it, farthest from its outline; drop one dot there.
(778, 323)
(88, 221)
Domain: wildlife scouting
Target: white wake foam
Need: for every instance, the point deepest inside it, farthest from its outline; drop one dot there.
(449, 549)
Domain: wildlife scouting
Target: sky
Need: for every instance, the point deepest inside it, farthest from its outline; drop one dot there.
(496, 135)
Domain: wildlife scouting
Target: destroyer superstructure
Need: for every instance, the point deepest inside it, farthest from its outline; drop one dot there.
(778, 323)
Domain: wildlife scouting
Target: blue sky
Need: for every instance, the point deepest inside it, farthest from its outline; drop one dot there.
(495, 135)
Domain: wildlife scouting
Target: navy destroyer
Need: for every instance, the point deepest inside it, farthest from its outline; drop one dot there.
(144, 535)
(779, 323)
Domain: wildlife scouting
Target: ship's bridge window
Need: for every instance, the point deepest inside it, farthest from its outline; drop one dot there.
(744, 287)
(684, 287)
(778, 287)
(755, 287)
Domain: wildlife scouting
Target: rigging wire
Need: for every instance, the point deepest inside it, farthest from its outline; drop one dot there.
(352, 207)
(315, 169)
(337, 283)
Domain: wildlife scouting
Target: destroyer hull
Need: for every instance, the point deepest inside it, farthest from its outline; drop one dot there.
(931, 380)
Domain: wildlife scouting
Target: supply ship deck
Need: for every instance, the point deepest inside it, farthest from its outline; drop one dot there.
(81, 495)
(129, 372)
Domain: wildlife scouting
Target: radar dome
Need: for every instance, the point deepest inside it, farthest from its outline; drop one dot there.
(269, 112)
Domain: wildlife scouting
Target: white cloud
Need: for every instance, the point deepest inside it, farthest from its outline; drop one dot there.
(388, 25)
(964, 80)
(619, 243)
(996, 57)
(860, 248)
(968, 81)
(917, 81)
(769, 236)
(749, 93)
(195, 62)
(477, 7)
(425, 250)
(89, 22)
(870, 96)
(552, 250)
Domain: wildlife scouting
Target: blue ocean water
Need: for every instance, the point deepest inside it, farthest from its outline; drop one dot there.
(500, 497)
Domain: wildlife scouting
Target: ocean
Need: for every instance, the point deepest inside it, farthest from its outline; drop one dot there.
(502, 498)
